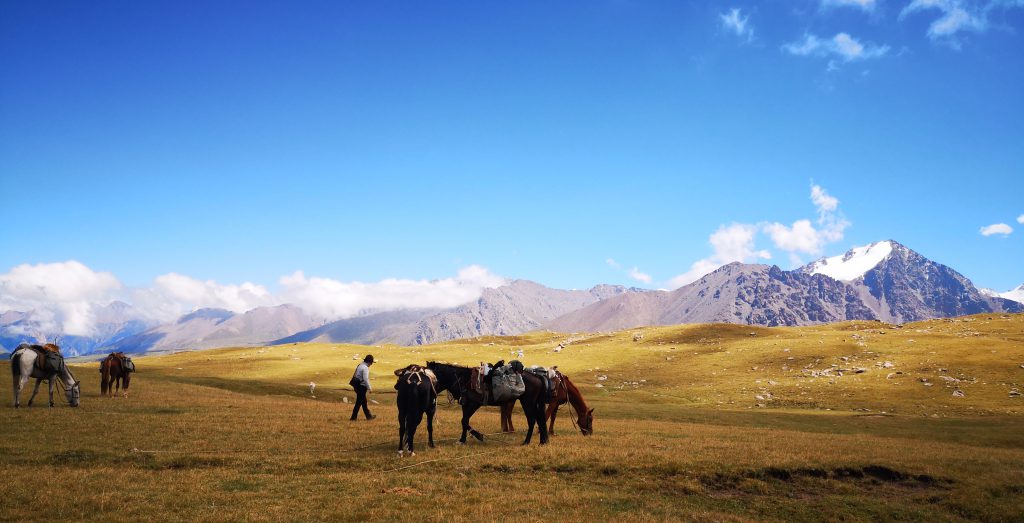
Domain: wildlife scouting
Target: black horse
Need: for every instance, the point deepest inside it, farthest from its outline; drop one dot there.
(455, 379)
(416, 395)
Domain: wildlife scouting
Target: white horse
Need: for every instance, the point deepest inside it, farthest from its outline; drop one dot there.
(23, 367)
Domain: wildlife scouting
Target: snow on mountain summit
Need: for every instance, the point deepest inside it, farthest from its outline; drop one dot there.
(1016, 295)
(854, 263)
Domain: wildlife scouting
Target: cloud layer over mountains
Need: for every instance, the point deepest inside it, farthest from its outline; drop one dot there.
(67, 296)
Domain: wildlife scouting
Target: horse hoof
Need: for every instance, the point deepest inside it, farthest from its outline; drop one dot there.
(412, 454)
(460, 442)
(432, 445)
(400, 454)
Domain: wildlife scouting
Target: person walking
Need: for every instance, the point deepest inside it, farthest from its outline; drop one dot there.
(361, 383)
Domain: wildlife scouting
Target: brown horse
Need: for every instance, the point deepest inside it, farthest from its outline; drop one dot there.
(565, 392)
(115, 369)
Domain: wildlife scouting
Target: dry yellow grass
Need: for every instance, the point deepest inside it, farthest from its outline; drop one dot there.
(233, 434)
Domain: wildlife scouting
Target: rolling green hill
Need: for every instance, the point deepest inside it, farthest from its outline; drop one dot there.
(854, 420)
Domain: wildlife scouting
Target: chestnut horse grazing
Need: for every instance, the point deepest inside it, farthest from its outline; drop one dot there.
(115, 369)
(565, 392)
(455, 379)
(416, 395)
(42, 362)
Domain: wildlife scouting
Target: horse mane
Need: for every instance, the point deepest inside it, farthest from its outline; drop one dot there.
(574, 395)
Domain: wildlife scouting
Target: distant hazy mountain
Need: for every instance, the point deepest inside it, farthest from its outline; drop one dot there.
(207, 328)
(884, 281)
(518, 307)
(114, 322)
(366, 330)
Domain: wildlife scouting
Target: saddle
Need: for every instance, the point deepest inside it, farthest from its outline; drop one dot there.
(48, 357)
(415, 374)
(549, 377)
(125, 361)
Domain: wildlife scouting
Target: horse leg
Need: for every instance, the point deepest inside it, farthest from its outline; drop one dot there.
(39, 381)
(506, 416)
(468, 409)
(415, 418)
(531, 418)
(49, 386)
(431, 409)
(541, 426)
(401, 431)
(552, 414)
(19, 384)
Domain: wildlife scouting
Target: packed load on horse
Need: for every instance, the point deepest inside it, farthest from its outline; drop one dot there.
(115, 370)
(509, 382)
(42, 362)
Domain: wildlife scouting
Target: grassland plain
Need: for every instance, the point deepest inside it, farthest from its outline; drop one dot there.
(851, 421)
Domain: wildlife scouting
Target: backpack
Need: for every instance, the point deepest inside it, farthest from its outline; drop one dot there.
(52, 361)
(506, 384)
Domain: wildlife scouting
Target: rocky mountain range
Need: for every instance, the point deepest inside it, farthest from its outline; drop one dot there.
(883, 281)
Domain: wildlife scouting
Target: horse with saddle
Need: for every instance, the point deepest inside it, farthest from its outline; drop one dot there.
(42, 362)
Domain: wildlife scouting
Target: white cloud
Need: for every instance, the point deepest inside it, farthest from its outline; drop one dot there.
(735, 22)
(842, 45)
(736, 242)
(640, 276)
(956, 16)
(824, 202)
(800, 237)
(62, 294)
(803, 236)
(173, 294)
(66, 297)
(732, 243)
(996, 228)
(866, 5)
(613, 264)
(337, 299)
(1020, 219)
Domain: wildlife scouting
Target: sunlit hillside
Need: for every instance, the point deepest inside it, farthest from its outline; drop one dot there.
(847, 421)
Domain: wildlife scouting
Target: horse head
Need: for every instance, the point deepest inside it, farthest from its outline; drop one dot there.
(74, 393)
(587, 423)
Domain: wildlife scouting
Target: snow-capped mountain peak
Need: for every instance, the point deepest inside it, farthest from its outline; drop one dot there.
(854, 264)
(1016, 295)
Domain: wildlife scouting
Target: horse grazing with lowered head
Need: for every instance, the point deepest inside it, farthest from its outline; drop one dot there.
(456, 379)
(115, 369)
(565, 391)
(42, 362)
(416, 396)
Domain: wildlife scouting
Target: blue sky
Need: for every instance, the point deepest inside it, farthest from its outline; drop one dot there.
(562, 142)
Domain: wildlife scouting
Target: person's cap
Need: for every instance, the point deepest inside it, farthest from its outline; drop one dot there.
(368, 358)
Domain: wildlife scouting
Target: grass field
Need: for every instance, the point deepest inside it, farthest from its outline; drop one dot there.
(851, 421)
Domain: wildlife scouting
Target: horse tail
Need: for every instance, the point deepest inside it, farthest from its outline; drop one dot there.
(104, 375)
(16, 365)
